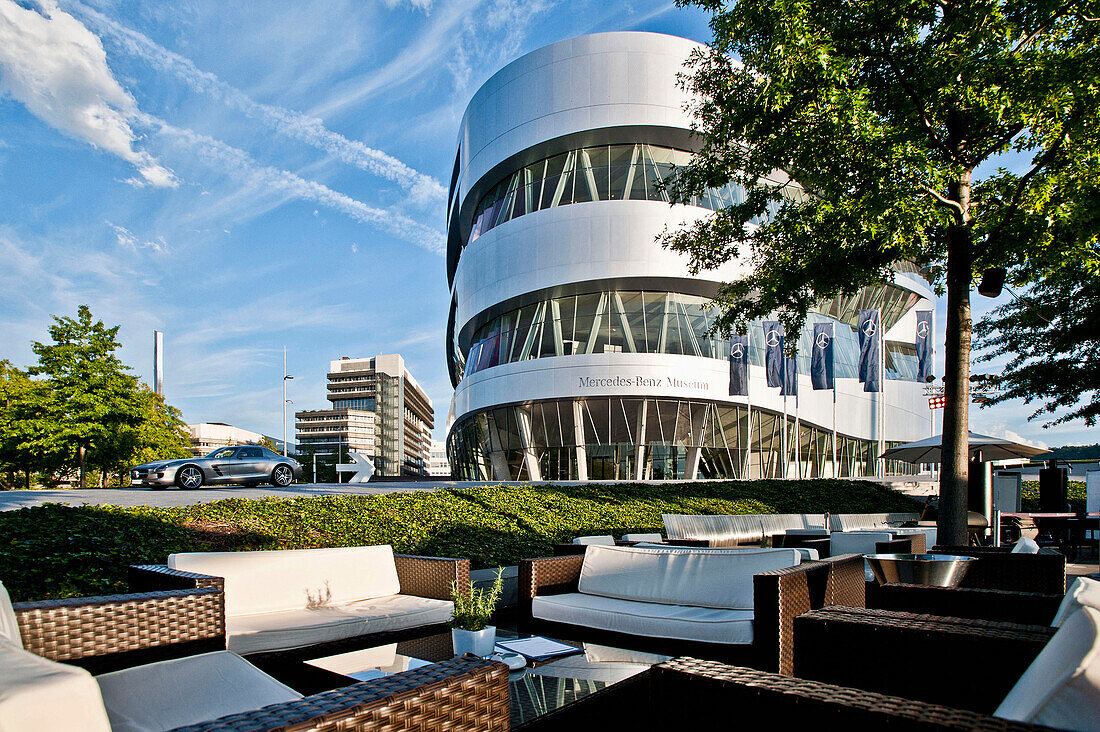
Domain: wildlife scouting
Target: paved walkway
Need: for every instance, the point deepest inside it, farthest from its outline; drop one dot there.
(10, 500)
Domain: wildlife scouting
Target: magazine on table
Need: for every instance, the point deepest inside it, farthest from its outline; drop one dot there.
(538, 648)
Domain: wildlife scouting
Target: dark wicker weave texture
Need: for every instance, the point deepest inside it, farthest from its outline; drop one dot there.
(66, 630)
(546, 576)
(998, 568)
(431, 576)
(153, 577)
(924, 657)
(462, 694)
(708, 688)
(1032, 608)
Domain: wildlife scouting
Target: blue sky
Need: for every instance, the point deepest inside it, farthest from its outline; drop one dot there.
(246, 176)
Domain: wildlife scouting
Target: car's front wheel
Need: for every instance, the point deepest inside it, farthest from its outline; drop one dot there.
(282, 476)
(189, 476)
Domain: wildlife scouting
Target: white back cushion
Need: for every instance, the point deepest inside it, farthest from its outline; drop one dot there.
(9, 626)
(183, 691)
(39, 695)
(1026, 546)
(655, 538)
(607, 540)
(674, 576)
(293, 579)
(862, 542)
(1084, 592)
(1061, 687)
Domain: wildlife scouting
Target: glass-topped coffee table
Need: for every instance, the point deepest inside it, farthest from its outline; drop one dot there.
(537, 689)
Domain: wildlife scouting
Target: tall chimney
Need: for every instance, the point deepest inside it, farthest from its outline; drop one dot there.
(158, 362)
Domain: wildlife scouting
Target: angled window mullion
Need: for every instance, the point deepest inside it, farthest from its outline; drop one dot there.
(534, 333)
(597, 320)
(663, 337)
(555, 316)
(687, 325)
(589, 177)
(566, 177)
(624, 322)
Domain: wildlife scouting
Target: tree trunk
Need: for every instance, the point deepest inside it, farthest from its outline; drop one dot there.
(955, 445)
(80, 452)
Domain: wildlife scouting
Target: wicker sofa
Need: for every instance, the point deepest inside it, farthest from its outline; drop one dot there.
(280, 600)
(157, 669)
(724, 604)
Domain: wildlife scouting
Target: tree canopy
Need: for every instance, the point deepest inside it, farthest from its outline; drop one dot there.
(869, 133)
(85, 409)
(1051, 338)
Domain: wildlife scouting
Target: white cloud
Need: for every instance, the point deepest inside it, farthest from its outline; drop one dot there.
(240, 165)
(131, 241)
(1000, 429)
(58, 69)
(424, 5)
(311, 130)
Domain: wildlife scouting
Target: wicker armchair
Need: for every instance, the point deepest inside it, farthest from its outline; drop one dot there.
(428, 577)
(779, 597)
(1028, 608)
(998, 568)
(102, 634)
(115, 632)
(924, 657)
(673, 694)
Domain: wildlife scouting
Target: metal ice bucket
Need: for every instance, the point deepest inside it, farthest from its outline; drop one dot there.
(938, 570)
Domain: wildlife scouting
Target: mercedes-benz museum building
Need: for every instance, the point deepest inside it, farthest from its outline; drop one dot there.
(578, 346)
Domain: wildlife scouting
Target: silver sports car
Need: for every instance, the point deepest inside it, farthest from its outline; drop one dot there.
(246, 464)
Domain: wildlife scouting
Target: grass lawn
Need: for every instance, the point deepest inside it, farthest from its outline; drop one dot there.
(55, 551)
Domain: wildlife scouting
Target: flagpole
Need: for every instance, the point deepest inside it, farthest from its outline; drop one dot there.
(836, 471)
(881, 395)
(783, 462)
(797, 429)
(748, 416)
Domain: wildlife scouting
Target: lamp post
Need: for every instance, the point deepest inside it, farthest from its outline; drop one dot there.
(286, 378)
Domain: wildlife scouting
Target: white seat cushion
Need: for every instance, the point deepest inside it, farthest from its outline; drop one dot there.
(651, 538)
(1084, 592)
(680, 622)
(169, 694)
(39, 695)
(9, 626)
(291, 579)
(296, 628)
(1061, 687)
(717, 578)
(1026, 546)
(606, 540)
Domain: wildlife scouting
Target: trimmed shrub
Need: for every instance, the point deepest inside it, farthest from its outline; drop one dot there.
(57, 551)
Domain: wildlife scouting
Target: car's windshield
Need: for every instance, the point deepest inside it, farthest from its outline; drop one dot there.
(222, 453)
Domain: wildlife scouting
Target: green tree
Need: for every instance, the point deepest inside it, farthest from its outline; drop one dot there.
(269, 443)
(27, 441)
(93, 393)
(886, 115)
(161, 434)
(1051, 338)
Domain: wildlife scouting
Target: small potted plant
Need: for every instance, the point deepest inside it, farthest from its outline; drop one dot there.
(470, 631)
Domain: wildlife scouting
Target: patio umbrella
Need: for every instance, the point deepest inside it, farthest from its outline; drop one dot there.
(991, 448)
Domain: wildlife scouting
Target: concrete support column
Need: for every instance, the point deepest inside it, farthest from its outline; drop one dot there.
(578, 435)
(530, 459)
(691, 469)
(639, 442)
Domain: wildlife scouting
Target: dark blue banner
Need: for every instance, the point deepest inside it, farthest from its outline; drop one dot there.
(773, 352)
(870, 350)
(821, 356)
(790, 377)
(739, 365)
(924, 344)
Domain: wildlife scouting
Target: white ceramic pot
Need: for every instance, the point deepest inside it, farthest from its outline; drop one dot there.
(478, 642)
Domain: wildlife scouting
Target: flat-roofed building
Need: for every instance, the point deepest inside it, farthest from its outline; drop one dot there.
(438, 465)
(378, 410)
(207, 436)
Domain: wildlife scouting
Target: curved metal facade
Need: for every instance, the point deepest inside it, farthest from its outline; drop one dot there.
(564, 304)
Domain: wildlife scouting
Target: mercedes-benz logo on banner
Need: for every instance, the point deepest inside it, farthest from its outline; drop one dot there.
(869, 328)
(772, 338)
(738, 351)
(822, 341)
(922, 329)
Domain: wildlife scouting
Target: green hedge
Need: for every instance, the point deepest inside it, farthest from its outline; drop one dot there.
(56, 551)
(1029, 495)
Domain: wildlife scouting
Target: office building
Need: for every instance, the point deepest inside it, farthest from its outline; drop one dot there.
(378, 410)
(438, 465)
(578, 347)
